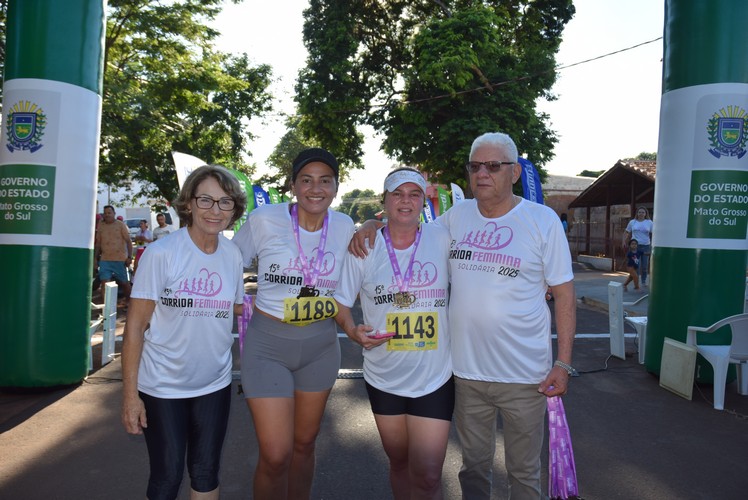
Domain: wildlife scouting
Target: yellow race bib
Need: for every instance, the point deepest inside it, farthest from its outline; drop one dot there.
(305, 310)
(415, 331)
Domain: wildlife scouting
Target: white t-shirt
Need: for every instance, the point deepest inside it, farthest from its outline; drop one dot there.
(187, 349)
(499, 320)
(422, 370)
(640, 230)
(145, 233)
(268, 234)
(159, 232)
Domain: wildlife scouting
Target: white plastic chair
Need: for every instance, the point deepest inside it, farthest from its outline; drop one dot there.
(720, 356)
(617, 315)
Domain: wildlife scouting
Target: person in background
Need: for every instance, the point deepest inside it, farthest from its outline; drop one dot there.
(162, 229)
(113, 251)
(505, 252)
(640, 228)
(291, 352)
(565, 222)
(403, 286)
(633, 259)
(142, 239)
(176, 354)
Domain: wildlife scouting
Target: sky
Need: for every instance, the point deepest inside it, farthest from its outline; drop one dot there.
(606, 109)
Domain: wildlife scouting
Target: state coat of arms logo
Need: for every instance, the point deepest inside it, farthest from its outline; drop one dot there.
(728, 132)
(25, 127)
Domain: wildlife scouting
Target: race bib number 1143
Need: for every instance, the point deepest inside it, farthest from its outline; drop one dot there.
(414, 331)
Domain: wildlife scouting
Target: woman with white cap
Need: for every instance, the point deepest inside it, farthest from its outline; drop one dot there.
(403, 286)
(291, 353)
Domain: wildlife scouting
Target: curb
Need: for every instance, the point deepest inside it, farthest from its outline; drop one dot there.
(598, 305)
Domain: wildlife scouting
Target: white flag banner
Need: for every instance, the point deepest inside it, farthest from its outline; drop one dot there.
(457, 194)
(185, 164)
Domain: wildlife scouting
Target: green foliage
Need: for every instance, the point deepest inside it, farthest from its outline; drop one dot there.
(328, 88)
(644, 156)
(360, 205)
(591, 173)
(166, 89)
(431, 76)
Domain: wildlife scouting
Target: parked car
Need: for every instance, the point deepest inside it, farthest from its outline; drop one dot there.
(133, 225)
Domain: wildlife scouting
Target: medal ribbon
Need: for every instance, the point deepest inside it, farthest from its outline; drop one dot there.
(562, 474)
(310, 273)
(403, 282)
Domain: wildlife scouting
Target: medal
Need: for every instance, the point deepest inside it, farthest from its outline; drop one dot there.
(308, 291)
(404, 299)
(310, 271)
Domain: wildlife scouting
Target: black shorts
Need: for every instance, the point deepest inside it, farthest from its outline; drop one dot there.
(438, 404)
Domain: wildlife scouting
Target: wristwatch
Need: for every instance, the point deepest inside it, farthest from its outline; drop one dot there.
(568, 368)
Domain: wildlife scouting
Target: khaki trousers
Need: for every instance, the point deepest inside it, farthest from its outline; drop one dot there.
(522, 410)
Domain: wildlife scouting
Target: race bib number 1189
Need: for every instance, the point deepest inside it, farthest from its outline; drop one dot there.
(305, 310)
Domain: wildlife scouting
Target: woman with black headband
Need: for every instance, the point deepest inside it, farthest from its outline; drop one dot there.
(291, 353)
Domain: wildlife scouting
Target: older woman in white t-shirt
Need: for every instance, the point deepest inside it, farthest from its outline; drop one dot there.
(176, 355)
(640, 229)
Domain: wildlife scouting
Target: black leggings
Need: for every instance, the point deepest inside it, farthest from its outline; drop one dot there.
(195, 425)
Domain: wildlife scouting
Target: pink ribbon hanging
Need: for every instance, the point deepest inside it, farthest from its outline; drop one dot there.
(562, 472)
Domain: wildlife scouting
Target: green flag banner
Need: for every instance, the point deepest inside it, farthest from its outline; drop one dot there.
(445, 200)
(275, 196)
(246, 185)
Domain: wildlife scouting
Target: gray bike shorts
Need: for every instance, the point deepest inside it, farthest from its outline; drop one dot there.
(279, 359)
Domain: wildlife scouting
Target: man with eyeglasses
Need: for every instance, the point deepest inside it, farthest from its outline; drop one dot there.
(505, 252)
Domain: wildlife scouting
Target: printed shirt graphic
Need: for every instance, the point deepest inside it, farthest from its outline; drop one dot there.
(640, 230)
(187, 350)
(404, 373)
(634, 258)
(159, 232)
(268, 234)
(499, 321)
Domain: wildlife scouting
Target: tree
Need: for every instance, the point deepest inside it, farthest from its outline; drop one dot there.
(360, 205)
(591, 173)
(644, 156)
(166, 89)
(431, 76)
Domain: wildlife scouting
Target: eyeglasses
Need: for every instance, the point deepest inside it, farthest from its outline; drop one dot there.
(473, 167)
(206, 203)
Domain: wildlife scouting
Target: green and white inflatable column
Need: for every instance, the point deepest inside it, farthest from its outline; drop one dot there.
(48, 172)
(701, 194)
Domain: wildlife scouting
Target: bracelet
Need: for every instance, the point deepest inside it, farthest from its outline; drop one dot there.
(568, 368)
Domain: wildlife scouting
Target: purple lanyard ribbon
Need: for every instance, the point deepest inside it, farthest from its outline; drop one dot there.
(244, 320)
(562, 473)
(403, 282)
(311, 273)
